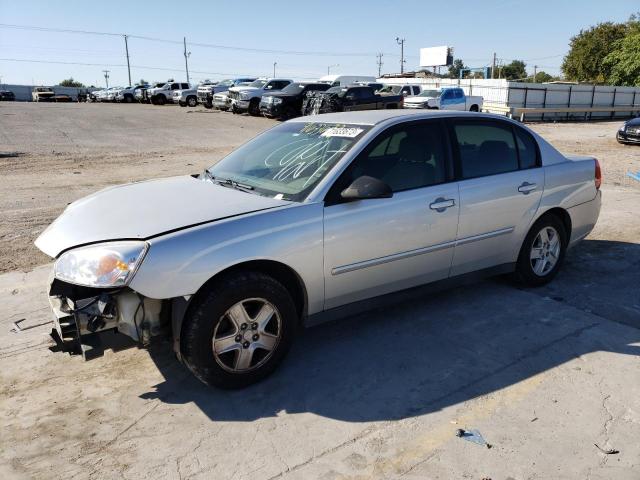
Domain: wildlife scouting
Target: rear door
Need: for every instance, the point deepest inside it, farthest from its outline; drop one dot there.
(377, 246)
(501, 185)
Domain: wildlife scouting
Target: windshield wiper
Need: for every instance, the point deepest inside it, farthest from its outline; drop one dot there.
(227, 182)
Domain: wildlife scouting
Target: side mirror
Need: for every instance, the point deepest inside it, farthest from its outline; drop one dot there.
(365, 187)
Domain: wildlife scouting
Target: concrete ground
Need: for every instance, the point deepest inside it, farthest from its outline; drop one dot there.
(542, 374)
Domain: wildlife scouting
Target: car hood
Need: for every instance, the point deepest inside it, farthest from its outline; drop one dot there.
(633, 122)
(147, 209)
(244, 89)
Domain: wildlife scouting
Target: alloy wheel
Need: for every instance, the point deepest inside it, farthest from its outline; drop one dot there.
(247, 335)
(545, 251)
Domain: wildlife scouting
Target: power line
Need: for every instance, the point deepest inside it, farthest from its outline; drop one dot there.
(196, 44)
(123, 65)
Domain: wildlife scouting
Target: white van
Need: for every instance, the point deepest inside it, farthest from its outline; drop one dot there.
(343, 80)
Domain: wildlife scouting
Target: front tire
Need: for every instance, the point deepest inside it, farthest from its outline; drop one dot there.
(192, 101)
(542, 252)
(238, 331)
(254, 108)
(160, 100)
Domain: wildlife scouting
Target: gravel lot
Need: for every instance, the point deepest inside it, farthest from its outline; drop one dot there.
(543, 374)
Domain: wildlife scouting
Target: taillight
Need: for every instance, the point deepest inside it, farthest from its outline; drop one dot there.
(598, 175)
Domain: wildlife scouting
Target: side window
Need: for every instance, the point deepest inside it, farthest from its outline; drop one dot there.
(485, 149)
(336, 83)
(270, 86)
(406, 90)
(406, 157)
(416, 90)
(527, 148)
(447, 94)
(175, 86)
(185, 86)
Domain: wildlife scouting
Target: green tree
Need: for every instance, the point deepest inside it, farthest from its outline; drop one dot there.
(623, 63)
(588, 49)
(515, 70)
(70, 82)
(454, 69)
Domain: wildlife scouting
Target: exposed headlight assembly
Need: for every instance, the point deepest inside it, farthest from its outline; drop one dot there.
(276, 101)
(244, 95)
(111, 264)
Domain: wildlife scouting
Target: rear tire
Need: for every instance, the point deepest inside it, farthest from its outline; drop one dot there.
(542, 252)
(160, 100)
(474, 108)
(128, 98)
(243, 314)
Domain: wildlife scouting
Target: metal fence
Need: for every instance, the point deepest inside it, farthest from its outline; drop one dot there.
(549, 101)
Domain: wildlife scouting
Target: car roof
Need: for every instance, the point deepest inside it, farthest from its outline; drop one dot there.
(375, 117)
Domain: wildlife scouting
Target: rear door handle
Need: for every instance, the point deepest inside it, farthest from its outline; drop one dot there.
(527, 187)
(440, 204)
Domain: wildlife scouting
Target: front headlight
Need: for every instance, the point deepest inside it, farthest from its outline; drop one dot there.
(110, 264)
(276, 101)
(244, 95)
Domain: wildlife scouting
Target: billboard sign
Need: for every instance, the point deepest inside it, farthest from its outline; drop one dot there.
(436, 56)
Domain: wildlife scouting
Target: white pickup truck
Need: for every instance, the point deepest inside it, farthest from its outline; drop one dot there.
(247, 98)
(164, 94)
(445, 98)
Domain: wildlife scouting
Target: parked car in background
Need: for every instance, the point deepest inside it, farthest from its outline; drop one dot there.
(42, 94)
(287, 103)
(629, 132)
(186, 97)
(247, 99)
(141, 94)
(164, 94)
(128, 94)
(350, 98)
(344, 80)
(110, 94)
(206, 92)
(445, 98)
(7, 96)
(316, 218)
(406, 90)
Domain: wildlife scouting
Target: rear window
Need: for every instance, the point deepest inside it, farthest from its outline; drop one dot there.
(485, 149)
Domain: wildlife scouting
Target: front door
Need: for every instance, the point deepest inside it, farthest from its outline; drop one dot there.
(377, 246)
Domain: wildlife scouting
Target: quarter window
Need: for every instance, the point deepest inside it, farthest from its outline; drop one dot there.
(485, 149)
(527, 149)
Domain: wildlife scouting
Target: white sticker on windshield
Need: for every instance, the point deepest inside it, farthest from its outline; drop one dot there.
(342, 132)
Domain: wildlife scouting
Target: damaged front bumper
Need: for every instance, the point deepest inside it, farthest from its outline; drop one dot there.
(82, 314)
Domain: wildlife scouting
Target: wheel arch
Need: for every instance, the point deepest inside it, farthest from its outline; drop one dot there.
(283, 273)
(560, 213)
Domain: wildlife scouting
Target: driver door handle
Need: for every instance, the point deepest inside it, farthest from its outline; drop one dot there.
(440, 204)
(527, 187)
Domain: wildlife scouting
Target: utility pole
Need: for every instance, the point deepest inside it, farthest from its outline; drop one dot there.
(106, 77)
(186, 57)
(126, 49)
(535, 72)
(274, 69)
(400, 42)
(493, 65)
(379, 57)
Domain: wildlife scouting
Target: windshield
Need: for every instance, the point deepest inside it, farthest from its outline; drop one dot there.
(293, 88)
(258, 83)
(429, 93)
(225, 83)
(290, 159)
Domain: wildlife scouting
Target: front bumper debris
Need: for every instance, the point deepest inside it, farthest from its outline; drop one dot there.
(82, 315)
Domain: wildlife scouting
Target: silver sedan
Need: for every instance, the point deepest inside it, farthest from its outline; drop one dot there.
(317, 218)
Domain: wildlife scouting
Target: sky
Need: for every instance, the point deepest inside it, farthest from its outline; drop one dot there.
(304, 39)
